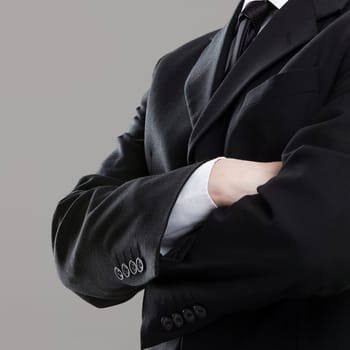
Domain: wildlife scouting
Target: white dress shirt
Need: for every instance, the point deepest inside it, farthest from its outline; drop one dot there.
(277, 3)
(194, 203)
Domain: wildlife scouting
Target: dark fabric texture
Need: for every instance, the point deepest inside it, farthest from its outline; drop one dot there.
(270, 271)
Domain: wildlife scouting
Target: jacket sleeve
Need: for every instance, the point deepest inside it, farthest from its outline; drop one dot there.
(106, 232)
(290, 240)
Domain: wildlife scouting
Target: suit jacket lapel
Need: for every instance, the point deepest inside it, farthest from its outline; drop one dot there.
(205, 75)
(292, 26)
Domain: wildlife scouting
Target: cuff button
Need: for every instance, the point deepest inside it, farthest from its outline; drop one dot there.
(139, 264)
(118, 272)
(126, 271)
(178, 320)
(200, 311)
(132, 267)
(188, 315)
(167, 323)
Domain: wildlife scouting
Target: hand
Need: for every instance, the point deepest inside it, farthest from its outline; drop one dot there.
(231, 178)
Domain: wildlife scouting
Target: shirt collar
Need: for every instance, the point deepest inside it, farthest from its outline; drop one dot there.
(277, 3)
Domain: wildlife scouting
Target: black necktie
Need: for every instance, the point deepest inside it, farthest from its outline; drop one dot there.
(250, 21)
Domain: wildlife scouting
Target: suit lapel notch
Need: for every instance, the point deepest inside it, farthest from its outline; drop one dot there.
(324, 8)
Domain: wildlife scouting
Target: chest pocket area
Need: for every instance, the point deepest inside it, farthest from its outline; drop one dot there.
(271, 113)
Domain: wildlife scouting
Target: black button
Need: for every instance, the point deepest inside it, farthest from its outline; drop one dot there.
(118, 272)
(200, 311)
(178, 320)
(132, 267)
(139, 264)
(188, 315)
(126, 271)
(167, 323)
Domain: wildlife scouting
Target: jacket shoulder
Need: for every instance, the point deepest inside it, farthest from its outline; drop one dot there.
(189, 49)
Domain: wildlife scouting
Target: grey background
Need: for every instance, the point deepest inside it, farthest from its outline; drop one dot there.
(71, 75)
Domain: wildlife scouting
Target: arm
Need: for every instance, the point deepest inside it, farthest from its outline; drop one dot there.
(192, 205)
(290, 240)
(209, 187)
(112, 221)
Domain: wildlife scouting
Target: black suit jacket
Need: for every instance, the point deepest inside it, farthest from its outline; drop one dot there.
(270, 271)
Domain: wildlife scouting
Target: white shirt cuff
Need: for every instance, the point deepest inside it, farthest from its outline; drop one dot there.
(193, 204)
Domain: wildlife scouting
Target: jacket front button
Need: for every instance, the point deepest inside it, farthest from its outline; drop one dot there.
(118, 272)
(139, 264)
(188, 315)
(178, 320)
(200, 311)
(132, 267)
(126, 271)
(167, 323)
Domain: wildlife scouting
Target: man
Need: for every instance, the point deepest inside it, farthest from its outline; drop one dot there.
(227, 200)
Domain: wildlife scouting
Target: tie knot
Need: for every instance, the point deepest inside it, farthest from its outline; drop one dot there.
(256, 11)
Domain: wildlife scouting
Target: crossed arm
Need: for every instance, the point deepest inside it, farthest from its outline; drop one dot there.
(288, 240)
(212, 185)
